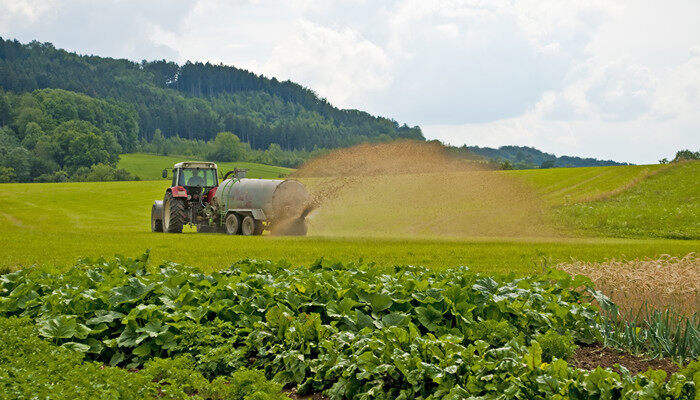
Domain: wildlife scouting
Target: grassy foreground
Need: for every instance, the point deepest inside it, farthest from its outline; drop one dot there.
(150, 167)
(57, 223)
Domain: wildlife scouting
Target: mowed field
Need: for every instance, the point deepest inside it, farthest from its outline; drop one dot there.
(54, 224)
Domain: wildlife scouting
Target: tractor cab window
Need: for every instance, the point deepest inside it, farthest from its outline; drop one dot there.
(197, 177)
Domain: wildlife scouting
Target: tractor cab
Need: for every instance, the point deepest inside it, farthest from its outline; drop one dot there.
(193, 179)
(194, 175)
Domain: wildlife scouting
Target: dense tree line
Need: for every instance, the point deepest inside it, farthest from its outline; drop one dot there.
(227, 147)
(196, 101)
(54, 135)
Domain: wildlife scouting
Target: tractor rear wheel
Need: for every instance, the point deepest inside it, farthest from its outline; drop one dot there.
(251, 227)
(233, 224)
(156, 224)
(173, 214)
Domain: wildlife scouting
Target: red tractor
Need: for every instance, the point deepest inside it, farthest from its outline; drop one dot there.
(236, 206)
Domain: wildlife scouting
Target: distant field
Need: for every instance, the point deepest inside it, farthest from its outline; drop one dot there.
(559, 186)
(150, 167)
(56, 223)
(666, 204)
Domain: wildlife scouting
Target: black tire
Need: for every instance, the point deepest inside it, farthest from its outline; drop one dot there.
(250, 226)
(258, 228)
(205, 229)
(174, 215)
(156, 224)
(232, 225)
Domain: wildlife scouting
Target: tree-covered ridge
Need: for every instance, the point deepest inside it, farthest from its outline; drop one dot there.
(524, 157)
(195, 100)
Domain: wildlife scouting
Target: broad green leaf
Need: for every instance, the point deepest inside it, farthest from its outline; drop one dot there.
(60, 327)
(117, 358)
(395, 319)
(363, 320)
(429, 317)
(142, 350)
(133, 291)
(104, 316)
(128, 337)
(380, 301)
(533, 358)
(79, 347)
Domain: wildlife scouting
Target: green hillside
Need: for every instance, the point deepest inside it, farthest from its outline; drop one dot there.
(559, 186)
(640, 201)
(666, 204)
(150, 167)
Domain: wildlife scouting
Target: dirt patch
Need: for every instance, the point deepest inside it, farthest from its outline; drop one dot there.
(417, 189)
(292, 394)
(591, 357)
(657, 284)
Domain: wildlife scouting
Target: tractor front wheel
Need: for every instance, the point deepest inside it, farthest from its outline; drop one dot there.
(156, 224)
(173, 214)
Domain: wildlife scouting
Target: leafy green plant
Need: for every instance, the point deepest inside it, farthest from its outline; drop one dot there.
(654, 332)
(34, 368)
(555, 345)
(351, 330)
(495, 332)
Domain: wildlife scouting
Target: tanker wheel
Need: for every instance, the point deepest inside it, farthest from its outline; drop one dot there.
(156, 224)
(233, 224)
(173, 214)
(251, 227)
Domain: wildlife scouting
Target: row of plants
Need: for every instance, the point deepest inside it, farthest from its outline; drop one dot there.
(352, 331)
(32, 368)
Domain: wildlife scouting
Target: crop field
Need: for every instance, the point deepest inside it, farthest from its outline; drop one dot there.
(150, 167)
(348, 331)
(54, 224)
(411, 284)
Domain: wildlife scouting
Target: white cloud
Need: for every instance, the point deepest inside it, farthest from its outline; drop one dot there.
(342, 64)
(29, 10)
(605, 78)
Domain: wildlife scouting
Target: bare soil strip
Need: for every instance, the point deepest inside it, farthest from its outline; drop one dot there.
(592, 357)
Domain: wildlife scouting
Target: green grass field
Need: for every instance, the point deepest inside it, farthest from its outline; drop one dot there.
(54, 224)
(150, 167)
(560, 186)
(666, 205)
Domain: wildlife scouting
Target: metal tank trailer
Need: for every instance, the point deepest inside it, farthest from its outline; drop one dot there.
(236, 205)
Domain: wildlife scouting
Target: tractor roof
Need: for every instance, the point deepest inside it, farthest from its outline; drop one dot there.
(195, 164)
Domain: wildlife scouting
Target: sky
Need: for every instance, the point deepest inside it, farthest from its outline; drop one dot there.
(609, 79)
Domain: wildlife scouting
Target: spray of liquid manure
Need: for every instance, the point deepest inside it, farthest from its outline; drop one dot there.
(416, 189)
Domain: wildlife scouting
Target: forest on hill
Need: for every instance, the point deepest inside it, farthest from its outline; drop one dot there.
(65, 116)
(196, 100)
